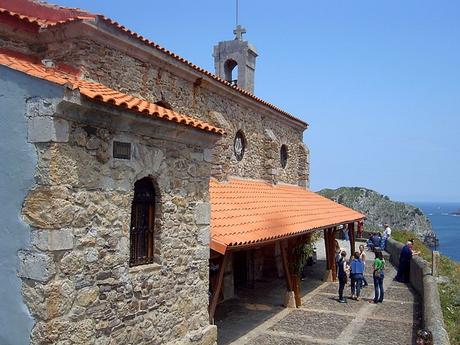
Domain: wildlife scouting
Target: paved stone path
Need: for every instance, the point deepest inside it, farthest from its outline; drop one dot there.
(322, 320)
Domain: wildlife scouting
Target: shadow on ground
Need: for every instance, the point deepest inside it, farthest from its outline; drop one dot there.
(252, 307)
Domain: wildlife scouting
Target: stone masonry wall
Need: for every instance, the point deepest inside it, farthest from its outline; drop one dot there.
(156, 83)
(77, 282)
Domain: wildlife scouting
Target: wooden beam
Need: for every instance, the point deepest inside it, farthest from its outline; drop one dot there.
(287, 274)
(216, 292)
(351, 235)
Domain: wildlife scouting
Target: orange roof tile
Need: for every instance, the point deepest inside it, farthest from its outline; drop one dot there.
(51, 15)
(253, 212)
(41, 13)
(99, 92)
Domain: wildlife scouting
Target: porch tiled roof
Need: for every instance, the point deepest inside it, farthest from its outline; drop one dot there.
(99, 92)
(245, 213)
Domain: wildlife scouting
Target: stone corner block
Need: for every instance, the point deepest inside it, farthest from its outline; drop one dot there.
(204, 336)
(35, 266)
(203, 213)
(204, 236)
(303, 183)
(53, 239)
(47, 129)
(289, 299)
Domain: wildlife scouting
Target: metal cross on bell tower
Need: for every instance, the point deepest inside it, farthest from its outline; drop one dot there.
(239, 31)
(235, 60)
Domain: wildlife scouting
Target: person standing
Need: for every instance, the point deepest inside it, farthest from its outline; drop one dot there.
(405, 257)
(345, 233)
(338, 251)
(362, 256)
(357, 275)
(386, 236)
(378, 274)
(342, 275)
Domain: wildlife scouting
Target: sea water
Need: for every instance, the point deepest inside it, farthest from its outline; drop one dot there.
(445, 225)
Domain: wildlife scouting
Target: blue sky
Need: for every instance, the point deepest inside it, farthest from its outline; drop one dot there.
(378, 81)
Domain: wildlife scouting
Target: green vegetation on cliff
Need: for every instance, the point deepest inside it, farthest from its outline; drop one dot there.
(379, 209)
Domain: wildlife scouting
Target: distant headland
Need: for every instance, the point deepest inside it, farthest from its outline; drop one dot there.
(379, 209)
(455, 213)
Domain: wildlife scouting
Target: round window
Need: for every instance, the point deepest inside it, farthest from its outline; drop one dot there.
(283, 155)
(239, 145)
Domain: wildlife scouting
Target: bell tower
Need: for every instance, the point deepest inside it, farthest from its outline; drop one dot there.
(235, 60)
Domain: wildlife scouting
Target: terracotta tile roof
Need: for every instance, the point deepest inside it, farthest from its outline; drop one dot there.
(99, 92)
(44, 15)
(253, 212)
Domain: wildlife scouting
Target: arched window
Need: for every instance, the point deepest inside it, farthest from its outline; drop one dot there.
(239, 145)
(283, 156)
(142, 223)
(231, 71)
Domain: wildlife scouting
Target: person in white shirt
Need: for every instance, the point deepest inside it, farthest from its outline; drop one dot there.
(386, 235)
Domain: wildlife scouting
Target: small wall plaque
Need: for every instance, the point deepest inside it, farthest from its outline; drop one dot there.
(121, 150)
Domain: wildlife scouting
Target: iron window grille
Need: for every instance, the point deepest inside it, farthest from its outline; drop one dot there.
(142, 223)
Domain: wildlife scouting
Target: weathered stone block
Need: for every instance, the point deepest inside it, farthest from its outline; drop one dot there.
(35, 266)
(204, 236)
(39, 106)
(207, 155)
(203, 213)
(72, 262)
(53, 240)
(47, 129)
(86, 296)
(208, 336)
(59, 296)
(48, 207)
(197, 156)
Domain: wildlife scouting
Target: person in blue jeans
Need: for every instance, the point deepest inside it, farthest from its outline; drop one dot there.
(342, 268)
(356, 275)
(379, 267)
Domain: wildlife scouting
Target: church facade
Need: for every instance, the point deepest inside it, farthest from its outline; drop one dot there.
(112, 148)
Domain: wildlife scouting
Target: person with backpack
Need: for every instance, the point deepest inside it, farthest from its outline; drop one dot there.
(378, 274)
(356, 275)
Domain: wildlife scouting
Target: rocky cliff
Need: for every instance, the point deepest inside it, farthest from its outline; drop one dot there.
(379, 209)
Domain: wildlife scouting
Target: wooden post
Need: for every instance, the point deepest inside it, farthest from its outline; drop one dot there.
(326, 246)
(330, 262)
(333, 251)
(351, 235)
(287, 275)
(216, 292)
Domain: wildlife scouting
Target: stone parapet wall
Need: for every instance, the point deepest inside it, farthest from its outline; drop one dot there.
(425, 284)
(77, 283)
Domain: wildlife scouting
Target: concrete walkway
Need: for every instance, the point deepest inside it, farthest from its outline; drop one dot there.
(322, 320)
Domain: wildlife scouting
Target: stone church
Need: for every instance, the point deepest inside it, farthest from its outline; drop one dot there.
(129, 174)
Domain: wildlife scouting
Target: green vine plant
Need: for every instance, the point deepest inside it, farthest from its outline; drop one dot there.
(299, 257)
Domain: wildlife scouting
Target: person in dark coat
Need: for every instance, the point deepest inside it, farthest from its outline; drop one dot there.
(404, 262)
(342, 269)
